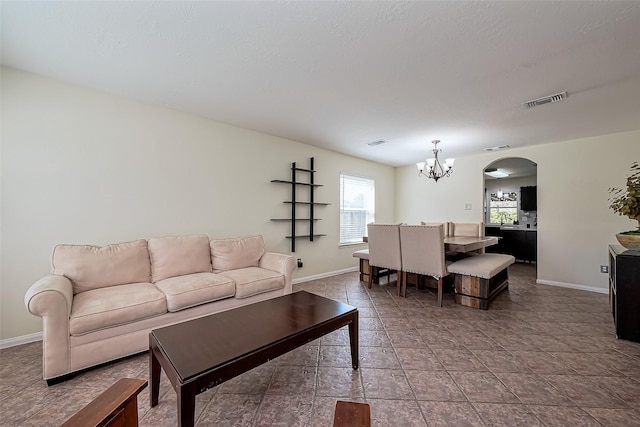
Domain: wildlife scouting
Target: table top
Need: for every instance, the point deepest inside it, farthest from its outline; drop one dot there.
(464, 243)
(468, 243)
(200, 345)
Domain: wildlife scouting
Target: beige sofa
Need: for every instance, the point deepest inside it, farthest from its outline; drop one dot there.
(100, 303)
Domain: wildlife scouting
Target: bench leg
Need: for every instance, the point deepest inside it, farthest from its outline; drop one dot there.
(370, 276)
(477, 292)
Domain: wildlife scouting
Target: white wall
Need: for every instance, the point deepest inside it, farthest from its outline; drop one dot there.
(79, 166)
(574, 222)
(83, 167)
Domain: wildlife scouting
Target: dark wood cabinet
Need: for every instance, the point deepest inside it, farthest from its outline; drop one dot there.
(624, 291)
(530, 248)
(522, 244)
(529, 198)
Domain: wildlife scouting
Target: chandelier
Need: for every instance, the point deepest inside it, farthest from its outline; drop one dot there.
(436, 169)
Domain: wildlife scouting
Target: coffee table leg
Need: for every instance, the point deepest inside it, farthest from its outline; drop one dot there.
(154, 375)
(186, 405)
(353, 340)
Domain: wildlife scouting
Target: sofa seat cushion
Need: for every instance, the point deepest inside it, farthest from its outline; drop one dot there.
(195, 289)
(92, 267)
(254, 280)
(116, 305)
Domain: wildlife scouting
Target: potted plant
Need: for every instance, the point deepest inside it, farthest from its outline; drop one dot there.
(626, 202)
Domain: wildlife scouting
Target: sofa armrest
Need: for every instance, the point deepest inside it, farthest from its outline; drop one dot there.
(51, 298)
(280, 263)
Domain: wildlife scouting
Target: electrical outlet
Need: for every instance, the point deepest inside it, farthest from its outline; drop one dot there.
(604, 269)
(300, 263)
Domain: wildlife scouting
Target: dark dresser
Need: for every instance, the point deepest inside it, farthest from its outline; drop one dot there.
(624, 291)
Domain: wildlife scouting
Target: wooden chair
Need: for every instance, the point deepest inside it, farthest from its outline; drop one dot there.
(422, 248)
(116, 407)
(384, 250)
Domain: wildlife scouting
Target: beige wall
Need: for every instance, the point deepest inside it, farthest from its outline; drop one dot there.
(574, 222)
(79, 166)
(83, 167)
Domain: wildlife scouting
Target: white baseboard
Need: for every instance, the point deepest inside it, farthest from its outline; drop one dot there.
(323, 275)
(572, 286)
(24, 339)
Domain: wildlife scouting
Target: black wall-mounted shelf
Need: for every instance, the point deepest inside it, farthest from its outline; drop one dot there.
(310, 203)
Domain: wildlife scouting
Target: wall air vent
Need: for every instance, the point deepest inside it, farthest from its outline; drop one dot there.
(545, 100)
(374, 143)
(498, 148)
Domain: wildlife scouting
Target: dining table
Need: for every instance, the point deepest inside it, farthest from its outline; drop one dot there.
(468, 243)
(463, 243)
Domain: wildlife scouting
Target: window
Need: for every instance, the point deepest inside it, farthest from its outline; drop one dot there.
(503, 210)
(357, 207)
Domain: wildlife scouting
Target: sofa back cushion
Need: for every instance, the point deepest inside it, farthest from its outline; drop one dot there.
(241, 252)
(92, 267)
(173, 256)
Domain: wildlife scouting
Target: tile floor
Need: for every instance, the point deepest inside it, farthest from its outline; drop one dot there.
(540, 356)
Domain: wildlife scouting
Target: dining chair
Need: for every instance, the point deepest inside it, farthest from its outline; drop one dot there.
(465, 229)
(471, 229)
(422, 249)
(445, 226)
(384, 250)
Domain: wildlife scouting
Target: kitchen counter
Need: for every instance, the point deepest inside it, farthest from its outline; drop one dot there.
(516, 240)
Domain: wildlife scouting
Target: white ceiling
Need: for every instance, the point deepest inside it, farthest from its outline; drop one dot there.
(340, 74)
(516, 167)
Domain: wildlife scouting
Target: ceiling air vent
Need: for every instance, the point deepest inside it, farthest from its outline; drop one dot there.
(374, 143)
(545, 100)
(498, 148)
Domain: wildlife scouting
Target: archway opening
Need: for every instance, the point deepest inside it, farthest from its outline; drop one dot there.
(510, 207)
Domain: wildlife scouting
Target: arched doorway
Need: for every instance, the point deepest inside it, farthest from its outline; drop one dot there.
(510, 207)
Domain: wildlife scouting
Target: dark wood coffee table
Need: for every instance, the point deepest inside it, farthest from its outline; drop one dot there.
(202, 353)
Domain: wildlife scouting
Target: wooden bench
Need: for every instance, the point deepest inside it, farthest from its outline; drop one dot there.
(479, 279)
(363, 256)
(352, 414)
(116, 407)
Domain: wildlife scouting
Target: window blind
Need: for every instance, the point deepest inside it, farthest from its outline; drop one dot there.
(357, 207)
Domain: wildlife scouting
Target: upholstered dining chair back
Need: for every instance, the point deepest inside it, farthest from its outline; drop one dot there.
(384, 247)
(466, 229)
(471, 229)
(422, 248)
(445, 226)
